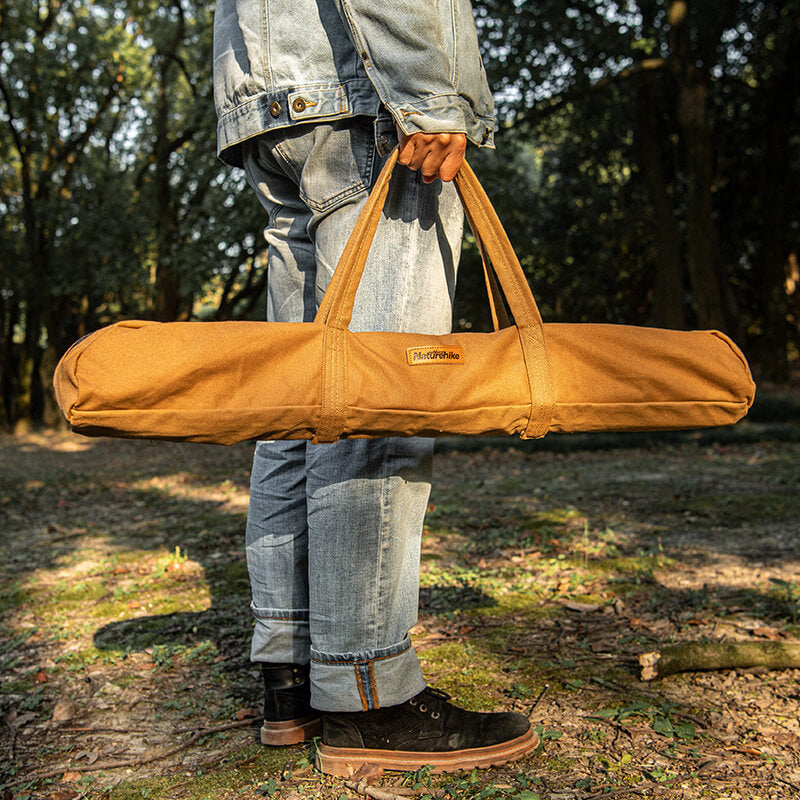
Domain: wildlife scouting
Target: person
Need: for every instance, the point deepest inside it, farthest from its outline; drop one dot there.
(311, 96)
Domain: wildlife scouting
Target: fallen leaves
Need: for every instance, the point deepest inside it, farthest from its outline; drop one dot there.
(64, 710)
(367, 774)
(90, 756)
(17, 721)
(772, 634)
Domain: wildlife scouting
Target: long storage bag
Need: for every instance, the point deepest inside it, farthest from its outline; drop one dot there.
(224, 382)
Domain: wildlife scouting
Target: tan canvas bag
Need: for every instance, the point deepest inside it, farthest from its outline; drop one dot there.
(224, 382)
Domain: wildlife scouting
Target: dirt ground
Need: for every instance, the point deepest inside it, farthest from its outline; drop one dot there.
(124, 620)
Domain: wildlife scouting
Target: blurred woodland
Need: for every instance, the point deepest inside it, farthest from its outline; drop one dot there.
(647, 170)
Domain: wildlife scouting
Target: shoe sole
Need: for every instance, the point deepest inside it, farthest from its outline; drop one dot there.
(344, 761)
(293, 731)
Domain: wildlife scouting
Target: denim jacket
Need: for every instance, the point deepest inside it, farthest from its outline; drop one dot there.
(285, 62)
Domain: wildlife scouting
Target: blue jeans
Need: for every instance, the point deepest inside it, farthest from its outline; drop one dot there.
(334, 530)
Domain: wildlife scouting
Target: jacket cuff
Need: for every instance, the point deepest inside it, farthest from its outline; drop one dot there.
(444, 114)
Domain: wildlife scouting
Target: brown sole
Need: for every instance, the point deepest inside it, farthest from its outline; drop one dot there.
(293, 731)
(344, 761)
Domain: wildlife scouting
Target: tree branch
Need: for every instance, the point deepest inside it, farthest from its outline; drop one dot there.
(58, 155)
(699, 656)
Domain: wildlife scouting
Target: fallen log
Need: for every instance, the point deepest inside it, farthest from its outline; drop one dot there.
(704, 656)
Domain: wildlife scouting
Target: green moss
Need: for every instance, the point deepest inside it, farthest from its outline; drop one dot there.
(124, 681)
(193, 600)
(529, 602)
(102, 592)
(632, 565)
(74, 595)
(16, 687)
(77, 659)
(467, 672)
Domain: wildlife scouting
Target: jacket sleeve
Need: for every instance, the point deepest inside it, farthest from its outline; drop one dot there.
(422, 57)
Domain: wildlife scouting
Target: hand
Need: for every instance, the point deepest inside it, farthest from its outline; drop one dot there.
(436, 155)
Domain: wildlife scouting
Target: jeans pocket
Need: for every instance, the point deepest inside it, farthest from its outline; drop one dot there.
(339, 165)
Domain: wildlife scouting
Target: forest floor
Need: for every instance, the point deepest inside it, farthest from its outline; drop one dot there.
(124, 621)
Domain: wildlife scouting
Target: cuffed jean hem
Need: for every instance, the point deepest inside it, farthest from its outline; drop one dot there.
(364, 681)
(280, 637)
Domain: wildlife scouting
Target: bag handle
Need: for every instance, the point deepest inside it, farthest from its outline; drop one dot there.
(499, 315)
(496, 304)
(336, 308)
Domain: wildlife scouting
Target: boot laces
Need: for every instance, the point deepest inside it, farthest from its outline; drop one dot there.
(430, 700)
(437, 693)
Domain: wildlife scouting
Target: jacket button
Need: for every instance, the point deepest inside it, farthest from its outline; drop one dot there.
(298, 105)
(275, 109)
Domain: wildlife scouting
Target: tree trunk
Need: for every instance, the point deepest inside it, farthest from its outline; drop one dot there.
(668, 310)
(700, 228)
(170, 301)
(9, 360)
(33, 363)
(778, 198)
(691, 76)
(36, 294)
(167, 284)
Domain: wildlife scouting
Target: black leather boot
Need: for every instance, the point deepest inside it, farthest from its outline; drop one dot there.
(288, 716)
(426, 729)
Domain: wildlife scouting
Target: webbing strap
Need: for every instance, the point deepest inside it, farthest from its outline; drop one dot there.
(336, 309)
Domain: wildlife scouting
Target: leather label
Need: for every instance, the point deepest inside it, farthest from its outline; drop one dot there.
(452, 354)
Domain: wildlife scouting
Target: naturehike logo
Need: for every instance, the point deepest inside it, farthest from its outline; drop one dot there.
(435, 354)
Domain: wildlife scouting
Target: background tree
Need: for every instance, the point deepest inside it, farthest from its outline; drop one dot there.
(62, 88)
(114, 204)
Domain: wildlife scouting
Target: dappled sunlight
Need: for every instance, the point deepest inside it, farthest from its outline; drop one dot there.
(55, 454)
(732, 572)
(109, 584)
(224, 495)
(57, 442)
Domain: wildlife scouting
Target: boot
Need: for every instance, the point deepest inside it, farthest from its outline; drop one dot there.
(426, 729)
(288, 716)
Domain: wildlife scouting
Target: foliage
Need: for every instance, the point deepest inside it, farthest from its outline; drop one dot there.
(664, 141)
(113, 202)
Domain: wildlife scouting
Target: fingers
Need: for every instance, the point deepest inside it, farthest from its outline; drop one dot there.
(435, 155)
